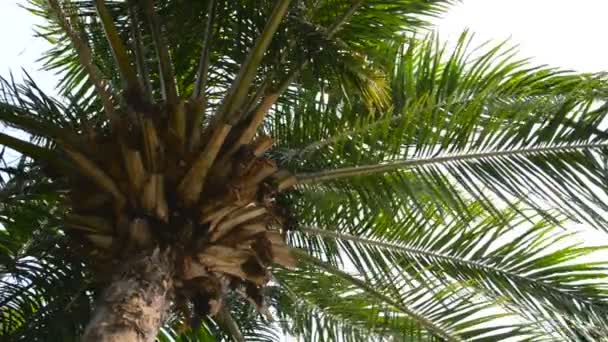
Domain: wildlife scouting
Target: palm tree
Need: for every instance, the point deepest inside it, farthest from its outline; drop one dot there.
(242, 170)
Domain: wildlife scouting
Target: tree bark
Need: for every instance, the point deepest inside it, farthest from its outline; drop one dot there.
(133, 307)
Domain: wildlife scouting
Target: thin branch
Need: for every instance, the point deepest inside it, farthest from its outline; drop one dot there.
(290, 46)
(226, 321)
(140, 53)
(331, 31)
(345, 17)
(259, 93)
(238, 91)
(33, 151)
(203, 64)
(118, 48)
(169, 88)
(198, 103)
(86, 60)
(363, 170)
(428, 324)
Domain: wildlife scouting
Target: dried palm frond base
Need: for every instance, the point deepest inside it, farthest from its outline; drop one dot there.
(135, 193)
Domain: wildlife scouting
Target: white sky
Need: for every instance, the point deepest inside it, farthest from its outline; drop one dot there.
(560, 33)
(20, 49)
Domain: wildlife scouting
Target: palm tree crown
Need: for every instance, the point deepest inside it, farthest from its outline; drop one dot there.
(327, 170)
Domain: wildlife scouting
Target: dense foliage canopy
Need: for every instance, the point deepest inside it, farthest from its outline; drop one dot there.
(438, 187)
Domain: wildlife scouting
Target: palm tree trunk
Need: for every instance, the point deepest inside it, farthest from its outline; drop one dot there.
(133, 307)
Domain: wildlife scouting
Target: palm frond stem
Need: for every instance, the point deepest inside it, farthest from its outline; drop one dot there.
(282, 87)
(167, 77)
(140, 53)
(381, 297)
(229, 324)
(192, 184)
(33, 126)
(118, 48)
(364, 170)
(311, 147)
(342, 135)
(86, 60)
(255, 121)
(97, 175)
(440, 256)
(345, 17)
(33, 151)
(203, 65)
(331, 31)
(240, 86)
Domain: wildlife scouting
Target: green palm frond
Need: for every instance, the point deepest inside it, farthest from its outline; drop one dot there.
(436, 185)
(240, 323)
(446, 312)
(307, 311)
(311, 25)
(171, 335)
(40, 280)
(27, 108)
(499, 130)
(532, 271)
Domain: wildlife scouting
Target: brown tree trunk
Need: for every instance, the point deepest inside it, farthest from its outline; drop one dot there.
(132, 308)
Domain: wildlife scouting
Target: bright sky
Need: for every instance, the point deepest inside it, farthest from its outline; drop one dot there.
(20, 49)
(560, 33)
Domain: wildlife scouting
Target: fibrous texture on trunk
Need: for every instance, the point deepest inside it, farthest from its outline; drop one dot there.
(133, 307)
(225, 239)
